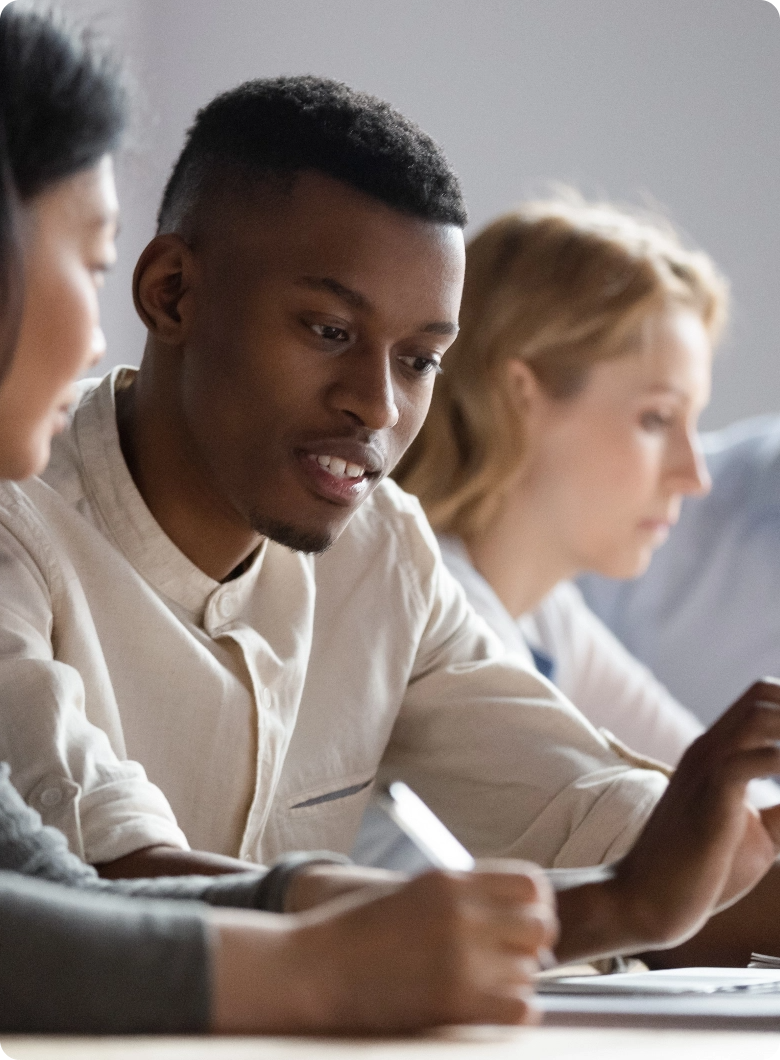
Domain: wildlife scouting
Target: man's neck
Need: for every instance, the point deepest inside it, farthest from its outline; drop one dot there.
(175, 489)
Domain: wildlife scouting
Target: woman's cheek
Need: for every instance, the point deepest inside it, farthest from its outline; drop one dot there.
(79, 315)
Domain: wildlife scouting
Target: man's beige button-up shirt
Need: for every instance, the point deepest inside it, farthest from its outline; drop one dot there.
(265, 708)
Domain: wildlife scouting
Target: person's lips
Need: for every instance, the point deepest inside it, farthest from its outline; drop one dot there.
(659, 527)
(339, 469)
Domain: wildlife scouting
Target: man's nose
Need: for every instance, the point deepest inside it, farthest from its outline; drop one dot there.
(366, 390)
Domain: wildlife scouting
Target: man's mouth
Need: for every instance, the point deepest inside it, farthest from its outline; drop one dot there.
(343, 479)
(339, 468)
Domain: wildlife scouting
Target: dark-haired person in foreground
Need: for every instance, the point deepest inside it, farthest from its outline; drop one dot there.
(215, 573)
(111, 961)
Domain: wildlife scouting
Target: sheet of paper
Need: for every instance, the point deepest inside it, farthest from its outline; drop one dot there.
(672, 982)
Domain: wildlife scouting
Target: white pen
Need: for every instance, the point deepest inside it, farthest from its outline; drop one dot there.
(434, 839)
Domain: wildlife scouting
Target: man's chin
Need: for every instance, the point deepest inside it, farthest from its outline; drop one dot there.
(299, 539)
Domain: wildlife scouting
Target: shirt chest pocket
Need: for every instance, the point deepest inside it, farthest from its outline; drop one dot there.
(327, 817)
(332, 797)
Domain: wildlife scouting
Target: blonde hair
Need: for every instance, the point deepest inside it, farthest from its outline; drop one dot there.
(561, 284)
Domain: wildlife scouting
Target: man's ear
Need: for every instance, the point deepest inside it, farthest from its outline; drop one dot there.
(162, 282)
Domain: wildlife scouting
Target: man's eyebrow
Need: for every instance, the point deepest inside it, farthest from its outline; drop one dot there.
(358, 301)
(441, 327)
(326, 283)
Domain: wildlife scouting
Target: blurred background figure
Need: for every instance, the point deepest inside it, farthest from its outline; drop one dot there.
(562, 437)
(706, 615)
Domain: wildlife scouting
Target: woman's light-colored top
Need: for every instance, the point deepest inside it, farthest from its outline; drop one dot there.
(573, 648)
(585, 660)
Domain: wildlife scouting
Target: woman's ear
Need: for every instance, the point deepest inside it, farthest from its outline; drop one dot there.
(522, 383)
(162, 283)
(531, 401)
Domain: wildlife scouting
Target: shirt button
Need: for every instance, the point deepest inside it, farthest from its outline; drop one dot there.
(51, 797)
(225, 606)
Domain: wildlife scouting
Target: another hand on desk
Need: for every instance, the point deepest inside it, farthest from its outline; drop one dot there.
(702, 849)
(443, 948)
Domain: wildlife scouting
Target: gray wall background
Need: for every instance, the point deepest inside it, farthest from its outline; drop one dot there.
(672, 103)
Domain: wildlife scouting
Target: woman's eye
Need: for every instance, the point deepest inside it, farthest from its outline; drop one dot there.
(655, 421)
(422, 365)
(330, 332)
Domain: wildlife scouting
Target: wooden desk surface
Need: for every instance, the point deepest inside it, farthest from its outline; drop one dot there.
(547, 1043)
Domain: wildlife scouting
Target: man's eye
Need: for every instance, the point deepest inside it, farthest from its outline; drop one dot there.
(422, 365)
(330, 332)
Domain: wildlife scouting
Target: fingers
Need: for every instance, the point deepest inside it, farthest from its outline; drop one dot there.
(733, 748)
(445, 948)
(515, 903)
(517, 879)
(762, 698)
(500, 911)
(759, 762)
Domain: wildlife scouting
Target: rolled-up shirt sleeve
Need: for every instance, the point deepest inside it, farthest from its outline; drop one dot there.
(69, 769)
(510, 766)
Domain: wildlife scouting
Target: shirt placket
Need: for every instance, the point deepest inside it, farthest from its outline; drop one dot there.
(277, 685)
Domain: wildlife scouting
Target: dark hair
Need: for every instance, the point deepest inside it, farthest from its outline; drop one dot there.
(10, 269)
(62, 107)
(62, 102)
(277, 127)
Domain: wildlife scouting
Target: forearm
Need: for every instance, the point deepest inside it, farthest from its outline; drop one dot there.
(729, 938)
(591, 925)
(307, 886)
(171, 861)
(263, 980)
(318, 883)
(599, 917)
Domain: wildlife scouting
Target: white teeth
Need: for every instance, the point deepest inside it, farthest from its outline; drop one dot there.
(340, 468)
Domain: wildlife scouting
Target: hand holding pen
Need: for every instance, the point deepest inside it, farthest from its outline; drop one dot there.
(531, 892)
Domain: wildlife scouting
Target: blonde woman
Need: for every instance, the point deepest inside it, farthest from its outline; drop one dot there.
(562, 439)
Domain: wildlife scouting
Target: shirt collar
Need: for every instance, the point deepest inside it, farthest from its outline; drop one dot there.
(123, 512)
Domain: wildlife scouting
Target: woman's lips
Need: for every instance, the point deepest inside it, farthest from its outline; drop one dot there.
(657, 527)
(338, 483)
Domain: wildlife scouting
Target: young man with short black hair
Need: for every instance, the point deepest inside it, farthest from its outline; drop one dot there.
(215, 577)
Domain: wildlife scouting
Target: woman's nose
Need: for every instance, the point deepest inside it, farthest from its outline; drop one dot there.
(695, 479)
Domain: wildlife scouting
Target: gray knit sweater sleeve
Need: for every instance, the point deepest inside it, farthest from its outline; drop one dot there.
(78, 954)
(95, 963)
(98, 963)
